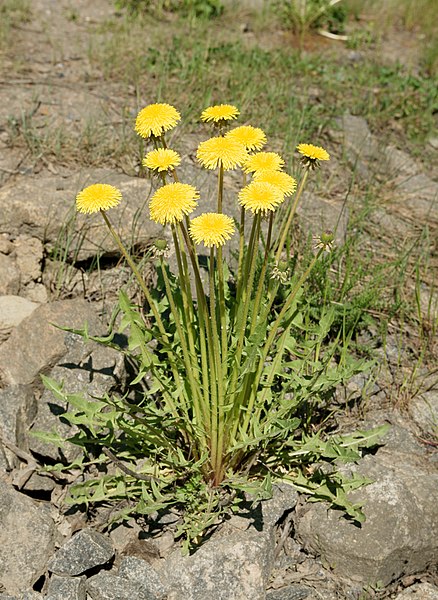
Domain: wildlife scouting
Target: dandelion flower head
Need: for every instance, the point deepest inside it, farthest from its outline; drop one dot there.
(172, 201)
(219, 113)
(285, 182)
(221, 151)
(252, 138)
(263, 160)
(162, 159)
(311, 155)
(260, 196)
(213, 229)
(155, 119)
(96, 197)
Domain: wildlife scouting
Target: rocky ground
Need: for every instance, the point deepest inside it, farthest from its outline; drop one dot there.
(287, 549)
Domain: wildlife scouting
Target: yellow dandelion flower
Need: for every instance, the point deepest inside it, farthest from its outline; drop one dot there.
(311, 155)
(172, 201)
(221, 150)
(285, 182)
(220, 112)
(252, 138)
(163, 159)
(260, 196)
(263, 160)
(155, 119)
(99, 196)
(214, 229)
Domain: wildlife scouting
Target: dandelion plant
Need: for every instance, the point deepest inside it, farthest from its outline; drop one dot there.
(229, 362)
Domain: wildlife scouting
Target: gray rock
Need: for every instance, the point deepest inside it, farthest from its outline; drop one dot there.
(9, 276)
(400, 165)
(66, 588)
(35, 292)
(35, 346)
(106, 586)
(419, 591)
(360, 146)
(284, 499)
(124, 534)
(13, 309)
(39, 483)
(85, 550)
(140, 572)
(18, 408)
(400, 534)
(90, 369)
(291, 592)
(232, 567)
(31, 595)
(28, 257)
(26, 540)
(424, 411)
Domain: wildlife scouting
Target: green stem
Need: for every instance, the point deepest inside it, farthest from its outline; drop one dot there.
(244, 301)
(261, 283)
(272, 334)
(194, 384)
(217, 412)
(287, 225)
(220, 188)
(188, 316)
(241, 252)
(247, 283)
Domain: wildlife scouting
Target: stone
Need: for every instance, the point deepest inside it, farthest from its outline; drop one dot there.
(87, 368)
(107, 586)
(18, 408)
(26, 540)
(400, 534)
(9, 276)
(233, 567)
(66, 588)
(28, 256)
(36, 292)
(36, 345)
(284, 499)
(433, 142)
(39, 484)
(360, 146)
(140, 572)
(83, 551)
(424, 412)
(419, 591)
(6, 246)
(291, 592)
(400, 165)
(13, 309)
(124, 533)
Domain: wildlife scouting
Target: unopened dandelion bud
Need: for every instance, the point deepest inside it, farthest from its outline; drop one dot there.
(324, 241)
(281, 272)
(160, 248)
